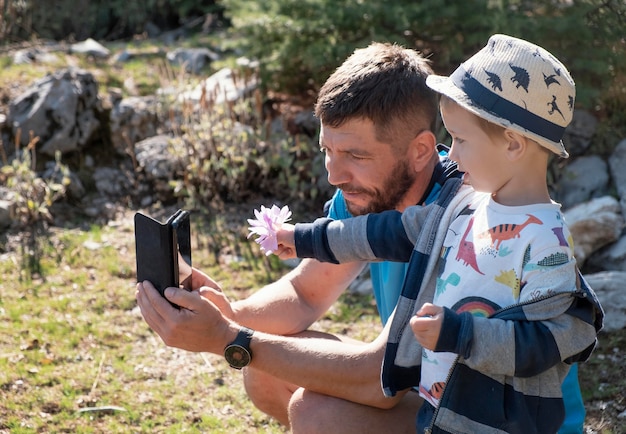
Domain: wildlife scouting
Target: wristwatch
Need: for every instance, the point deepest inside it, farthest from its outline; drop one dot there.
(238, 353)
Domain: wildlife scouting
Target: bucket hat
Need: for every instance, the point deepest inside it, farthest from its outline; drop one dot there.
(515, 84)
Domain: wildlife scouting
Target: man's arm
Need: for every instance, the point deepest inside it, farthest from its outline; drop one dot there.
(298, 299)
(349, 371)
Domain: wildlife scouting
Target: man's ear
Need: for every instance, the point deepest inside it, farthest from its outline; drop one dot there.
(421, 150)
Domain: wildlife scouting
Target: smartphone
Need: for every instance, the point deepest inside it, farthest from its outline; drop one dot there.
(163, 251)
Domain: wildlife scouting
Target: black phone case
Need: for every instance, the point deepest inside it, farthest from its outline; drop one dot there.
(163, 250)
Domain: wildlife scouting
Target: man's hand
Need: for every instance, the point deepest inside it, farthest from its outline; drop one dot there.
(426, 325)
(201, 281)
(197, 326)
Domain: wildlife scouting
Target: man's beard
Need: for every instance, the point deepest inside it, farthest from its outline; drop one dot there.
(388, 197)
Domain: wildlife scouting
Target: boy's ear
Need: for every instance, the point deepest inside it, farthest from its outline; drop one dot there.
(421, 149)
(516, 144)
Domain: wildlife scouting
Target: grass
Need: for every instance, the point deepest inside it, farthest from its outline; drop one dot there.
(76, 355)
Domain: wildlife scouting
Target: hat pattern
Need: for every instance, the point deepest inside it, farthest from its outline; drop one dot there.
(518, 85)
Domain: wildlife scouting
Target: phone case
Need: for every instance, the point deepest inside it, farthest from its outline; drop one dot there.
(163, 250)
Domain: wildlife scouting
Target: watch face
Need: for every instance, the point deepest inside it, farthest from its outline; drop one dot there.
(237, 356)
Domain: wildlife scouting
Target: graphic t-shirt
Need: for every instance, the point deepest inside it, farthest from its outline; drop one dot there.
(489, 253)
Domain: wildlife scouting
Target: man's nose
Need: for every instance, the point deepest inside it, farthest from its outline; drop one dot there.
(337, 172)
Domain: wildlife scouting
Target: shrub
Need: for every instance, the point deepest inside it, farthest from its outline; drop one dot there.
(300, 43)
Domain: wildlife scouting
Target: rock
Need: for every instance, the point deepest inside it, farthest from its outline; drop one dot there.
(611, 257)
(617, 163)
(610, 289)
(6, 213)
(593, 225)
(192, 59)
(111, 182)
(132, 120)
(579, 132)
(583, 179)
(226, 85)
(62, 110)
(91, 48)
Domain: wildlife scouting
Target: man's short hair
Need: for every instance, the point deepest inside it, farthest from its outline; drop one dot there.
(386, 84)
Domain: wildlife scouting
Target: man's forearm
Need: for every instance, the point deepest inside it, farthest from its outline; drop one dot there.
(294, 302)
(334, 368)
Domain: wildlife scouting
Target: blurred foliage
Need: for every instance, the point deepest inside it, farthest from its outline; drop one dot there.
(32, 196)
(233, 152)
(99, 19)
(300, 43)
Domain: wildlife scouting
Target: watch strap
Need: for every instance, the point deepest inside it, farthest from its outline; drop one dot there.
(238, 353)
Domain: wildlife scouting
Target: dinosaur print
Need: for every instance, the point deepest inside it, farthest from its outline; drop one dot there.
(554, 259)
(537, 53)
(436, 390)
(570, 103)
(548, 261)
(453, 279)
(466, 252)
(559, 235)
(554, 107)
(550, 79)
(504, 251)
(494, 80)
(504, 232)
(521, 77)
(510, 279)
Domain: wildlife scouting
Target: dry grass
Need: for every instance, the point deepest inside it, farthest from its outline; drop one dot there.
(76, 356)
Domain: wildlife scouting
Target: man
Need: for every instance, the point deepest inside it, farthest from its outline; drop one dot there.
(377, 116)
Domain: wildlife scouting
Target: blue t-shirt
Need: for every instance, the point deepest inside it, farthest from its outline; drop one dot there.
(387, 277)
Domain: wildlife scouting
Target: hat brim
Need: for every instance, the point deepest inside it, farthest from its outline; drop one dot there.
(445, 86)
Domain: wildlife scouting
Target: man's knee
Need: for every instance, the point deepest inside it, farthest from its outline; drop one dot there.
(302, 405)
(331, 413)
(268, 393)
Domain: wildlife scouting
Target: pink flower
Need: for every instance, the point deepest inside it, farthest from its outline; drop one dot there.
(265, 225)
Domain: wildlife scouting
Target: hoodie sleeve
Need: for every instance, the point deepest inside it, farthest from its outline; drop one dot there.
(387, 236)
(528, 339)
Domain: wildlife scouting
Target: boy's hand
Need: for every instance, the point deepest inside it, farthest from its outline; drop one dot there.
(286, 242)
(426, 325)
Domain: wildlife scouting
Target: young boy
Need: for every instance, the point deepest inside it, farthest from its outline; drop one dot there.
(509, 311)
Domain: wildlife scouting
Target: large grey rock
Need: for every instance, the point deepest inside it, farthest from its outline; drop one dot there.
(579, 132)
(593, 225)
(132, 120)
(61, 109)
(583, 179)
(611, 291)
(611, 257)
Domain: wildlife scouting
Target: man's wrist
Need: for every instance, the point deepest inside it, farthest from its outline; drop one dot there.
(238, 353)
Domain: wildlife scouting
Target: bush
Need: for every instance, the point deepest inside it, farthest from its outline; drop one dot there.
(98, 19)
(300, 43)
(229, 155)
